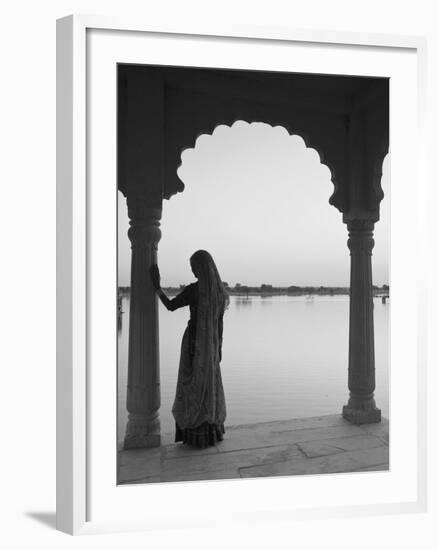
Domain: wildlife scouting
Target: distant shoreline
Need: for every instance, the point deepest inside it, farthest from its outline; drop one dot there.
(275, 291)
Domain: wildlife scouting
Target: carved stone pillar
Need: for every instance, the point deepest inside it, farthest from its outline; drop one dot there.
(143, 392)
(361, 407)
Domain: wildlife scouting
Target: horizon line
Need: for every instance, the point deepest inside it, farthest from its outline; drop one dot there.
(267, 285)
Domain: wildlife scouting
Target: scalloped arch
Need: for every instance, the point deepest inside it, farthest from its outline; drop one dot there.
(309, 142)
(377, 170)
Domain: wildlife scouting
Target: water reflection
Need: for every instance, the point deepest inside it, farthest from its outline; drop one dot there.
(289, 360)
(243, 301)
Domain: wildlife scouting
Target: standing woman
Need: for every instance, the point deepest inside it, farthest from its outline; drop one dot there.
(199, 406)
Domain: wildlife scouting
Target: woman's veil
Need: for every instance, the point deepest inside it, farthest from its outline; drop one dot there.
(212, 293)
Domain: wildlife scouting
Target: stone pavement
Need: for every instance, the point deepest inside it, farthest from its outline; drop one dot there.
(317, 445)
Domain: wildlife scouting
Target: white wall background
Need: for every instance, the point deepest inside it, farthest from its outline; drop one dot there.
(27, 217)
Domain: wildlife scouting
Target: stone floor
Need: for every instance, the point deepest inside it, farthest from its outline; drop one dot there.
(317, 445)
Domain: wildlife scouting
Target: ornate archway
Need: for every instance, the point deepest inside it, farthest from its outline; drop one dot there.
(162, 111)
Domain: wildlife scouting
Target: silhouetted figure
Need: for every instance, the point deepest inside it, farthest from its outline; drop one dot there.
(199, 407)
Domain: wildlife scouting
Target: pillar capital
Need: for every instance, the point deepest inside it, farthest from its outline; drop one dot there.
(140, 208)
(360, 239)
(360, 225)
(144, 222)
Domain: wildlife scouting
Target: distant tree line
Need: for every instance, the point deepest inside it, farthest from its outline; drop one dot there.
(267, 289)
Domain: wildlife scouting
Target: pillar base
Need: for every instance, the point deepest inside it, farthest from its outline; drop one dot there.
(142, 442)
(142, 434)
(361, 416)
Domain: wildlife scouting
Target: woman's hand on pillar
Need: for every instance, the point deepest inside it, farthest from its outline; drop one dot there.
(155, 276)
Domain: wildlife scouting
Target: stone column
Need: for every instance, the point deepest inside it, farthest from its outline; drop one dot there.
(143, 392)
(361, 407)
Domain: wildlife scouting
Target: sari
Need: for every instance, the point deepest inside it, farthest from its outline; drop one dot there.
(199, 407)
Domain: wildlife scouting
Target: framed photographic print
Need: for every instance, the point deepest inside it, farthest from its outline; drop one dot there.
(233, 321)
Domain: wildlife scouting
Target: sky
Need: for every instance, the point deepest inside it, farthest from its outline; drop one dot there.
(257, 199)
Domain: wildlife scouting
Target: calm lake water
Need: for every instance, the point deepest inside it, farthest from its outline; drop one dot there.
(283, 357)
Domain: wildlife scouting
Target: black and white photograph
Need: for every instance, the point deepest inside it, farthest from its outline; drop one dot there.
(219, 265)
(253, 274)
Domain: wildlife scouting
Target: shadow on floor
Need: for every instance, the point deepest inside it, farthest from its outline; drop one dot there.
(46, 518)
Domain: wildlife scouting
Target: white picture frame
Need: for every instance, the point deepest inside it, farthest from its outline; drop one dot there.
(78, 232)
